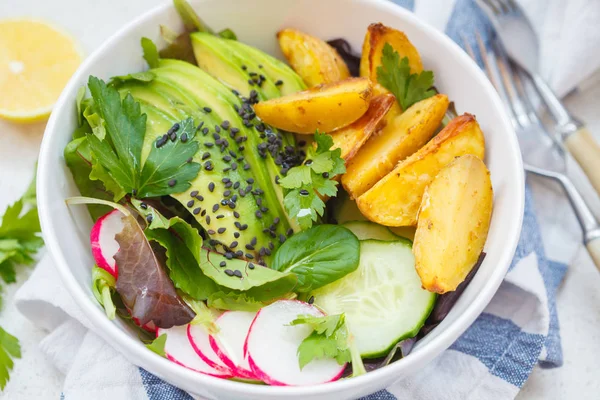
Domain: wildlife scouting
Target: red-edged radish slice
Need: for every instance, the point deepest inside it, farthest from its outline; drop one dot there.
(228, 343)
(272, 347)
(102, 238)
(179, 350)
(198, 337)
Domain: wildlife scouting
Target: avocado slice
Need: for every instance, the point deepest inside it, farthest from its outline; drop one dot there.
(244, 68)
(234, 197)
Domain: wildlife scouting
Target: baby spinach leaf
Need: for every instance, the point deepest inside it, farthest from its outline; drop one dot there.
(318, 256)
(158, 345)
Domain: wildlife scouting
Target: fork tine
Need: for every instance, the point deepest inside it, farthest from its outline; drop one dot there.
(517, 102)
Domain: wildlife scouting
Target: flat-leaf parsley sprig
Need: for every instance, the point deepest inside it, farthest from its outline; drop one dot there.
(394, 74)
(314, 179)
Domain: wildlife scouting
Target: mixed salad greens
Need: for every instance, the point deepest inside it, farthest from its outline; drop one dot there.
(220, 231)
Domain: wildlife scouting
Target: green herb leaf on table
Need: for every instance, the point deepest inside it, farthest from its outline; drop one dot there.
(394, 74)
(9, 350)
(158, 345)
(307, 182)
(150, 52)
(318, 256)
(117, 159)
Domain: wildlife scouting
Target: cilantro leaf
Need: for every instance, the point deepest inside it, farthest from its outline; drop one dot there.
(119, 129)
(158, 345)
(329, 339)
(150, 52)
(9, 349)
(394, 74)
(308, 183)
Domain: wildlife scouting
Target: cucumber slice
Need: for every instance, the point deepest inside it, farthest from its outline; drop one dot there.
(383, 299)
(365, 230)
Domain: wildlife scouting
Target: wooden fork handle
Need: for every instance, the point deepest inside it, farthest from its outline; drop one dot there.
(586, 152)
(593, 247)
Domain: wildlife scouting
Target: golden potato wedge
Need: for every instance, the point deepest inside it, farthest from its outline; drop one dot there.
(352, 137)
(377, 36)
(395, 199)
(312, 58)
(403, 134)
(454, 220)
(325, 107)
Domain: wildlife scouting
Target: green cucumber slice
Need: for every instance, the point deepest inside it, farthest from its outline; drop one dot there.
(383, 299)
(365, 230)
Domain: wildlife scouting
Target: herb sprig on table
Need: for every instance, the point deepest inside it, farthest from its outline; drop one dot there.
(19, 241)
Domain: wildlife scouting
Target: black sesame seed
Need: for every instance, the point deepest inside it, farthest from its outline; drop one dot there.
(237, 224)
(229, 272)
(229, 255)
(308, 162)
(276, 220)
(217, 128)
(261, 252)
(199, 198)
(236, 214)
(253, 241)
(325, 175)
(225, 124)
(207, 109)
(311, 300)
(244, 227)
(221, 230)
(208, 219)
(208, 144)
(189, 160)
(234, 130)
(304, 192)
(205, 131)
(224, 202)
(236, 185)
(281, 238)
(249, 256)
(215, 208)
(246, 167)
(220, 216)
(222, 264)
(279, 82)
(233, 244)
(203, 213)
(250, 265)
(172, 182)
(144, 206)
(228, 185)
(208, 166)
(271, 245)
(236, 235)
(227, 158)
(289, 232)
(227, 193)
(200, 125)
(249, 247)
(237, 273)
(210, 232)
(232, 206)
(149, 218)
(211, 187)
(267, 251)
(244, 67)
(190, 203)
(213, 242)
(184, 137)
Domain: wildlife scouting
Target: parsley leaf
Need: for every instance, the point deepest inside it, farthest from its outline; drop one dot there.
(19, 240)
(330, 339)
(119, 130)
(9, 349)
(394, 74)
(307, 183)
(158, 345)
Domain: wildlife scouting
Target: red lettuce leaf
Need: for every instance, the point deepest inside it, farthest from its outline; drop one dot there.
(143, 284)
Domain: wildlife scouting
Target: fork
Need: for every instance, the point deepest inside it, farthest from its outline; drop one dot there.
(540, 156)
(520, 41)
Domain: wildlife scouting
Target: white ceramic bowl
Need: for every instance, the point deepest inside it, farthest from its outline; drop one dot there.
(66, 230)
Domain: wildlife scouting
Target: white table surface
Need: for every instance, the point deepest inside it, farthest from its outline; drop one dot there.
(578, 299)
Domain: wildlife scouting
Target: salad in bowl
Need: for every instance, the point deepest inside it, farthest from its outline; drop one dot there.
(288, 223)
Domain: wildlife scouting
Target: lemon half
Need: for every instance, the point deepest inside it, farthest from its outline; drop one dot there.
(36, 61)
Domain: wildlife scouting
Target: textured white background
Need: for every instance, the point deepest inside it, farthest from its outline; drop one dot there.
(91, 22)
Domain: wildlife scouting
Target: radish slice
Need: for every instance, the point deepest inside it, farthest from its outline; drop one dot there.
(179, 350)
(199, 339)
(228, 343)
(102, 238)
(272, 347)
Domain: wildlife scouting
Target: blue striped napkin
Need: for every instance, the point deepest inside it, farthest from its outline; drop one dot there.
(518, 330)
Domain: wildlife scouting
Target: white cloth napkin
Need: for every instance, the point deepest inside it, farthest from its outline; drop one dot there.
(569, 38)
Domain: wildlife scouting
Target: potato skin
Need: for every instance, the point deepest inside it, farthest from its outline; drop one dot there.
(312, 58)
(453, 225)
(377, 36)
(395, 199)
(404, 133)
(325, 107)
(352, 137)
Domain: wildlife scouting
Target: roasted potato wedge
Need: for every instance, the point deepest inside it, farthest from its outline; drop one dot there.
(312, 58)
(377, 36)
(395, 199)
(454, 220)
(325, 107)
(352, 137)
(403, 134)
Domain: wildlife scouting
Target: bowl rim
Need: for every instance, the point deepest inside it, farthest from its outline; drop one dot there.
(155, 364)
